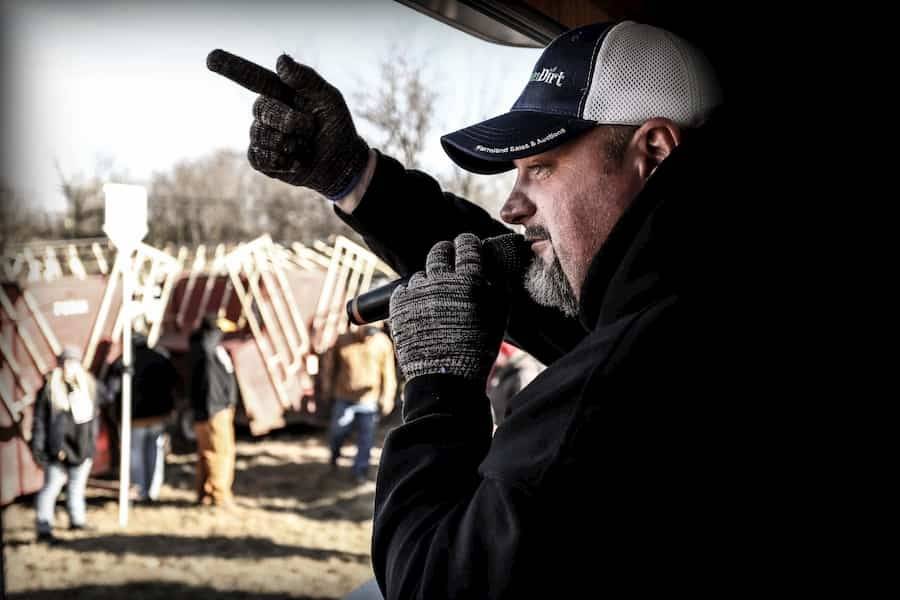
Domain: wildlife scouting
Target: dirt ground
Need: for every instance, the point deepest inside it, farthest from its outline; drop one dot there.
(298, 531)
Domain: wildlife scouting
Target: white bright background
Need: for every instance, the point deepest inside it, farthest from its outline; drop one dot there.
(126, 82)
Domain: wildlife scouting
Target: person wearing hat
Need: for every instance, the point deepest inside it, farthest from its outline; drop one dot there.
(615, 466)
(64, 430)
(213, 391)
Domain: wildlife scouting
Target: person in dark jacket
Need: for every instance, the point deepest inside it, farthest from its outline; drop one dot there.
(213, 392)
(512, 371)
(153, 401)
(63, 436)
(615, 466)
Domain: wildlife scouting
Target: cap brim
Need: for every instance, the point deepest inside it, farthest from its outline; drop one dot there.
(490, 146)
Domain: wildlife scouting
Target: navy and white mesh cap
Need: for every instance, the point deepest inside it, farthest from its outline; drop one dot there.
(601, 74)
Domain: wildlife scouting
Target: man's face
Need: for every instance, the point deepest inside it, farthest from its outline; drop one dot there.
(568, 199)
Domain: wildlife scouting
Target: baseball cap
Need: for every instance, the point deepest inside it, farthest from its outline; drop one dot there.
(601, 74)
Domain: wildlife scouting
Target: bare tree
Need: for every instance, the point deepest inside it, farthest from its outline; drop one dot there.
(84, 204)
(400, 107)
(487, 191)
(289, 213)
(200, 201)
(220, 198)
(84, 197)
(21, 222)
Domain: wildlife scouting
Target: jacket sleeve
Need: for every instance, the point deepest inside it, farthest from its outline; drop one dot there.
(388, 377)
(39, 426)
(441, 528)
(397, 197)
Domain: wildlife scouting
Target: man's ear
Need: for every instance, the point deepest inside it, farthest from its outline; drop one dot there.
(654, 141)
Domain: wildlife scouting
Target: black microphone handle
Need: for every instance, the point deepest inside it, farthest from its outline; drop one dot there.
(374, 305)
(504, 255)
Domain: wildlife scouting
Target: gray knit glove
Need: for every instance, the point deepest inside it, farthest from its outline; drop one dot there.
(302, 131)
(449, 318)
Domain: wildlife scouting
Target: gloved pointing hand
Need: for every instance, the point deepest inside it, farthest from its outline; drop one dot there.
(302, 131)
(449, 318)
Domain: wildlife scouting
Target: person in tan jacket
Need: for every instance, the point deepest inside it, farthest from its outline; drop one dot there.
(214, 396)
(359, 378)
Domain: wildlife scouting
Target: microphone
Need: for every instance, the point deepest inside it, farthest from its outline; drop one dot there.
(504, 258)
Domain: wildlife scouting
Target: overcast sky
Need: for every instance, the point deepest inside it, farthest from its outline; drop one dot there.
(127, 81)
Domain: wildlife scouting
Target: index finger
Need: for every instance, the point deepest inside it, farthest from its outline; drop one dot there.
(250, 75)
(468, 254)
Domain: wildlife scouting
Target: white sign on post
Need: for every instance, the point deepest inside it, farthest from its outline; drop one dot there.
(125, 223)
(126, 214)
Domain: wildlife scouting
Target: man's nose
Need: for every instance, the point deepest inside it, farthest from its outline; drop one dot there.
(517, 208)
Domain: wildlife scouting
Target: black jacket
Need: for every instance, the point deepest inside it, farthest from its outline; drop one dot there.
(153, 386)
(55, 437)
(620, 464)
(212, 387)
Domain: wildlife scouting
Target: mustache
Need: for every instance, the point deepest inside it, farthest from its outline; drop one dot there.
(536, 232)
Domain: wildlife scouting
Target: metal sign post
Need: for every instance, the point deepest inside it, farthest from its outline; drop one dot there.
(126, 225)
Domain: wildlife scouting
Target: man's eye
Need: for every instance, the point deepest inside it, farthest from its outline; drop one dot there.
(538, 171)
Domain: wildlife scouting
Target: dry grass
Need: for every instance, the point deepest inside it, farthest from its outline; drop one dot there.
(298, 531)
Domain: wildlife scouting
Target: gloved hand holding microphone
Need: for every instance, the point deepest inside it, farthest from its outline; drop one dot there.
(450, 318)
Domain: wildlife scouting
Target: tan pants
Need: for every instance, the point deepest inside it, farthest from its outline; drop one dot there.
(215, 458)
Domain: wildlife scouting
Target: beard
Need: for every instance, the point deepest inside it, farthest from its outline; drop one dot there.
(548, 286)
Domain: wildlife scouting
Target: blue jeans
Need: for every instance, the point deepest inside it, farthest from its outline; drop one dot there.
(55, 476)
(345, 416)
(148, 459)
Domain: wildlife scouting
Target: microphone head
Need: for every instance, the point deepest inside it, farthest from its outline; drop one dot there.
(506, 257)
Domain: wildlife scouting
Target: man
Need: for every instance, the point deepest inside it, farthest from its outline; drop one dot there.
(213, 390)
(64, 431)
(359, 380)
(611, 468)
(153, 401)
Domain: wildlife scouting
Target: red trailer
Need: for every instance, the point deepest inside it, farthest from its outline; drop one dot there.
(280, 309)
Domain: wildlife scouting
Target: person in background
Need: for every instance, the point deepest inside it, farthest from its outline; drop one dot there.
(213, 393)
(359, 379)
(153, 402)
(512, 371)
(63, 435)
